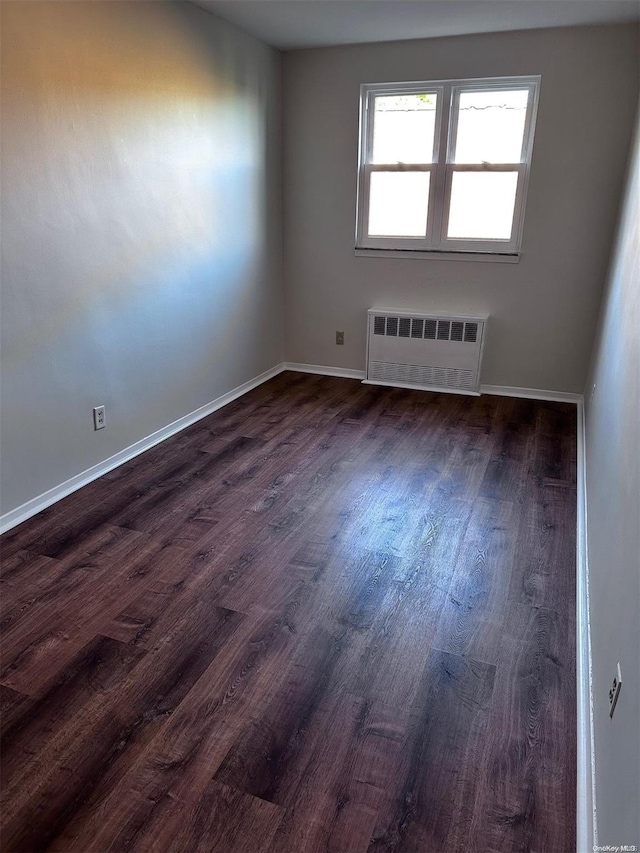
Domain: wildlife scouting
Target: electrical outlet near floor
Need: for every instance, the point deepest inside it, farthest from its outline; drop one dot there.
(99, 417)
(614, 691)
(340, 338)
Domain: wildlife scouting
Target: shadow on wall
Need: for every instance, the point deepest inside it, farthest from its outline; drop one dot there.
(128, 174)
(134, 218)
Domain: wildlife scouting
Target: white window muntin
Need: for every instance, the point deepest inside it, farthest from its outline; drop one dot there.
(443, 167)
(369, 93)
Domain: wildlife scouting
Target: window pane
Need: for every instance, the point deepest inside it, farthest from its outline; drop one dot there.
(404, 128)
(398, 204)
(491, 126)
(482, 205)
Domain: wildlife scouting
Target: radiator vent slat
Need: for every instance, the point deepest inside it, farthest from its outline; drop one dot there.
(443, 330)
(404, 325)
(430, 329)
(425, 352)
(379, 325)
(419, 374)
(470, 333)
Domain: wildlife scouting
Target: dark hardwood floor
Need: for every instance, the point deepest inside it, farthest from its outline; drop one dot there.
(329, 618)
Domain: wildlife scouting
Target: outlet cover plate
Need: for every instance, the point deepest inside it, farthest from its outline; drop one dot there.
(99, 417)
(614, 690)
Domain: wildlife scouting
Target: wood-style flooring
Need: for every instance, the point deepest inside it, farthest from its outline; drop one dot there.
(329, 618)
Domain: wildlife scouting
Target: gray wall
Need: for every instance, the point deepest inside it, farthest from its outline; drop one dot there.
(543, 310)
(141, 226)
(613, 507)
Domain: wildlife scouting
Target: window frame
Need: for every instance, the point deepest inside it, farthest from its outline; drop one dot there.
(435, 242)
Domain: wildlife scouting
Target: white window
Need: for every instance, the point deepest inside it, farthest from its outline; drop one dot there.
(444, 165)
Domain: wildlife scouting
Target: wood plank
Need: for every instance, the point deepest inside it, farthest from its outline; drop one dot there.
(127, 719)
(48, 636)
(39, 777)
(405, 627)
(544, 565)
(529, 764)
(506, 473)
(222, 819)
(351, 755)
(474, 608)
(176, 766)
(260, 760)
(44, 582)
(555, 445)
(21, 569)
(431, 805)
(12, 706)
(63, 529)
(327, 618)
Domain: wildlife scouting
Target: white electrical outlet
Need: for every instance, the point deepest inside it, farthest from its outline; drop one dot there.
(99, 417)
(614, 691)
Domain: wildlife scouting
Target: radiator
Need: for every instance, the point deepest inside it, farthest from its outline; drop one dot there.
(428, 351)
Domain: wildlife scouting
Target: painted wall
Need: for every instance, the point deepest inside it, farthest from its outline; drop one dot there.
(141, 226)
(613, 507)
(543, 310)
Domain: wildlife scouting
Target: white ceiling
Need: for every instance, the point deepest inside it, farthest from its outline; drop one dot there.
(289, 24)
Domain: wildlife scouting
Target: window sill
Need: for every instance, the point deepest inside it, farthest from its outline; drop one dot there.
(413, 254)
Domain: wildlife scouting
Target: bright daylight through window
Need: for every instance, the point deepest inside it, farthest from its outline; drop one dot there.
(444, 165)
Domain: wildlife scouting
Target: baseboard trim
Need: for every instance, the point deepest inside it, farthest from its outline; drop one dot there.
(586, 816)
(323, 370)
(499, 390)
(35, 505)
(532, 393)
(433, 389)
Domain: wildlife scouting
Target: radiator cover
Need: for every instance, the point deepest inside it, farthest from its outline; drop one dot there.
(434, 352)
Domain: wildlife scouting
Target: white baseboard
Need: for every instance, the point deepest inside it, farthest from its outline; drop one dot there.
(499, 390)
(323, 370)
(35, 505)
(434, 389)
(531, 393)
(586, 816)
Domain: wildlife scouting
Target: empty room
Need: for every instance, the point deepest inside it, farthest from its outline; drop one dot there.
(320, 415)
